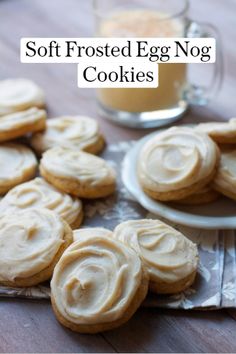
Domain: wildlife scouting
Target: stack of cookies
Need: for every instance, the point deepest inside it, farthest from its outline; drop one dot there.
(99, 277)
(224, 134)
(190, 165)
(68, 143)
(45, 209)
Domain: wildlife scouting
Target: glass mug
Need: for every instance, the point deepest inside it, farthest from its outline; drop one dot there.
(153, 107)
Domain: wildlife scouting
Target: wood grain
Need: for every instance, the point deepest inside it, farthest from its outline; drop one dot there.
(29, 326)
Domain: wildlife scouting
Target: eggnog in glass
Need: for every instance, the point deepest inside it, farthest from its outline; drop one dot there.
(144, 106)
(152, 107)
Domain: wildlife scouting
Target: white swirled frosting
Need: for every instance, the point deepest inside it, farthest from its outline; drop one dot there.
(68, 131)
(19, 119)
(91, 231)
(168, 255)
(40, 194)
(19, 94)
(177, 158)
(78, 165)
(95, 280)
(16, 161)
(29, 241)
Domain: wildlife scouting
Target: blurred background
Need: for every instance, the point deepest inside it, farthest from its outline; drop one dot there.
(74, 18)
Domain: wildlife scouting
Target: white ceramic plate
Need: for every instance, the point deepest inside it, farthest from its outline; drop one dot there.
(220, 214)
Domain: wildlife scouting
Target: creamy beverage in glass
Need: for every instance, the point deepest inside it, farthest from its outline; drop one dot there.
(154, 107)
(172, 77)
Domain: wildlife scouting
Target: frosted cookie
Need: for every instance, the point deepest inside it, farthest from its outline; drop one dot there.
(171, 258)
(225, 179)
(70, 131)
(97, 285)
(40, 194)
(18, 124)
(18, 95)
(221, 132)
(31, 243)
(78, 173)
(90, 231)
(206, 195)
(176, 163)
(17, 164)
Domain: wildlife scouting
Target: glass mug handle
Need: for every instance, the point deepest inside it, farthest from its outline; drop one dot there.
(201, 95)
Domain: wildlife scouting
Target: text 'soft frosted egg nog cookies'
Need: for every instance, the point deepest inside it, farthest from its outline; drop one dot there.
(172, 76)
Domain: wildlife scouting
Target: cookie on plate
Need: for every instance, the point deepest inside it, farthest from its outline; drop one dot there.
(176, 163)
(170, 257)
(90, 231)
(18, 95)
(206, 195)
(40, 194)
(77, 132)
(221, 132)
(98, 284)
(17, 164)
(18, 124)
(31, 243)
(225, 179)
(78, 173)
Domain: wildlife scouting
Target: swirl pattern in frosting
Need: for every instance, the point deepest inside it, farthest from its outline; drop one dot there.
(86, 168)
(29, 241)
(177, 158)
(168, 255)
(69, 131)
(90, 231)
(19, 119)
(96, 280)
(18, 95)
(225, 179)
(18, 163)
(40, 194)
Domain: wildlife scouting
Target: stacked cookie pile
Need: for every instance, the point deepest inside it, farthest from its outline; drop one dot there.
(98, 277)
(68, 142)
(190, 165)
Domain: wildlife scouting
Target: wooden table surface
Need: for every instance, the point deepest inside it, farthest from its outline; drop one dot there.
(30, 326)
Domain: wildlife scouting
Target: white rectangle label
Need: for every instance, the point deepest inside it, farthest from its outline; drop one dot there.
(160, 50)
(118, 62)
